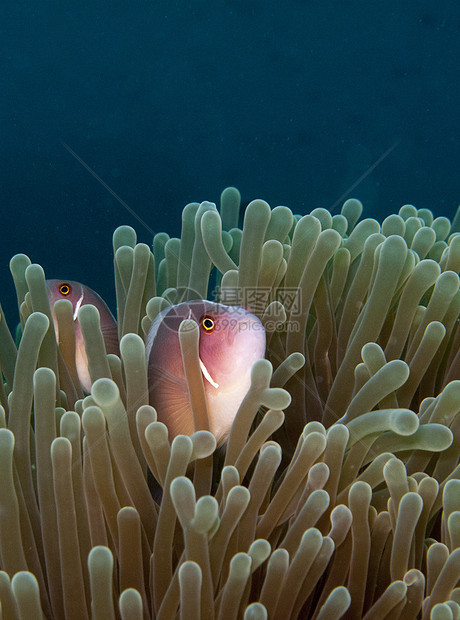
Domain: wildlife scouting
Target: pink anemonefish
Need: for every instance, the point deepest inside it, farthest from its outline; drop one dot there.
(79, 295)
(231, 340)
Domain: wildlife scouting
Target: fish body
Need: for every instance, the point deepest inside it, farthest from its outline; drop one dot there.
(231, 340)
(79, 295)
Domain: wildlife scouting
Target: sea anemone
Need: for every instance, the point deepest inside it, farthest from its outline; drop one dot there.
(337, 493)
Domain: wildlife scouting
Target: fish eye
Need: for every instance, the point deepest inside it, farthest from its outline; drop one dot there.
(65, 289)
(207, 324)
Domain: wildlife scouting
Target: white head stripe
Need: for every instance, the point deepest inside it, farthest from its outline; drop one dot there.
(77, 307)
(207, 376)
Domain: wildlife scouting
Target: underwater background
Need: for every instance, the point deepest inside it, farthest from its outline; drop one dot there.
(302, 103)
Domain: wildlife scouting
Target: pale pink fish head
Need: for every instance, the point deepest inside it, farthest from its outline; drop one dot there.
(79, 295)
(231, 340)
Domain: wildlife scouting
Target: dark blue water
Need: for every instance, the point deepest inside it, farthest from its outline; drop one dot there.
(170, 102)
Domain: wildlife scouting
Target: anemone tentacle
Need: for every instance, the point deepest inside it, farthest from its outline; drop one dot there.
(337, 493)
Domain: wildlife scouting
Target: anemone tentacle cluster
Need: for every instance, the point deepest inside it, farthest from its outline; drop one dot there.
(337, 493)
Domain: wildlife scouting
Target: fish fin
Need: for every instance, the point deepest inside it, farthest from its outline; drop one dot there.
(169, 396)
